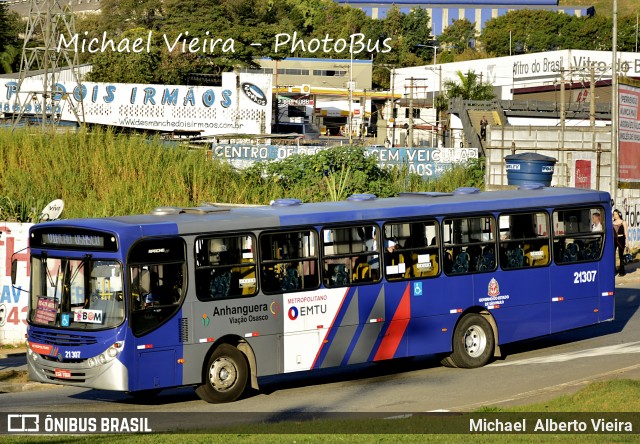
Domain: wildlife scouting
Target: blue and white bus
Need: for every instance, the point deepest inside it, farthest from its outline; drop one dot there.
(217, 297)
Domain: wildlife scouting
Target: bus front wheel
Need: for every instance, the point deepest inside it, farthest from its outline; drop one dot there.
(473, 342)
(225, 377)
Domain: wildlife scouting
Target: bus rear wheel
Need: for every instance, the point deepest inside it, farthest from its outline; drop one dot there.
(225, 377)
(473, 342)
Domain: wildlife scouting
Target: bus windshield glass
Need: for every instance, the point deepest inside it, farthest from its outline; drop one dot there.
(76, 294)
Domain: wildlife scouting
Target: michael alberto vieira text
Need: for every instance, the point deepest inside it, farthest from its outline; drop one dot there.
(550, 425)
(355, 44)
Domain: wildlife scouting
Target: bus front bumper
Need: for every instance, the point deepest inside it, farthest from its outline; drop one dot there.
(112, 375)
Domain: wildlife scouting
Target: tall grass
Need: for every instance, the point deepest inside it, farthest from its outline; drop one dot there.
(100, 173)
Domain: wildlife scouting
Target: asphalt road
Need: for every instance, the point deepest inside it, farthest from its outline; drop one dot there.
(532, 371)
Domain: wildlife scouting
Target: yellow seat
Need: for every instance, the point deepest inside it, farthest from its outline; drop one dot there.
(362, 273)
(421, 271)
(537, 258)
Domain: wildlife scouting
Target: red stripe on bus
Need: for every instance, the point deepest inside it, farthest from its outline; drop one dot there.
(396, 329)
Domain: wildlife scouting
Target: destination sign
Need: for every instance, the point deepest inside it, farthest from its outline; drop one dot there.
(73, 239)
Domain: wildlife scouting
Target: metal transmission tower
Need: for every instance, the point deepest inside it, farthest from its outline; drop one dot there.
(39, 91)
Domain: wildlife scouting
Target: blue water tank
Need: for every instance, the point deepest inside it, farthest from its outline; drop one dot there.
(526, 168)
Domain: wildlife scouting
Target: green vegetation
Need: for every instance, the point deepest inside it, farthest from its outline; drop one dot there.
(10, 26)
(100, 173)
(618, 395)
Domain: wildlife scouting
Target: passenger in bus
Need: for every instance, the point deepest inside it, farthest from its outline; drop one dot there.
(391, 257)
(596, 224)
(165, 291)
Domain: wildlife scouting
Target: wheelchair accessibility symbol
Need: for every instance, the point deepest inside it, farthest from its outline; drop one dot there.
(417, 288)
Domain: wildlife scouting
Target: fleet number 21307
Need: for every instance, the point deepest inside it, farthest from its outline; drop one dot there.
(580, 277)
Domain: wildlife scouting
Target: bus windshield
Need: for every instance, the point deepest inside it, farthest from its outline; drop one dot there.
(74, 294)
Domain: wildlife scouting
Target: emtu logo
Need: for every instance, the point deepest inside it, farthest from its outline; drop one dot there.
(293, 313)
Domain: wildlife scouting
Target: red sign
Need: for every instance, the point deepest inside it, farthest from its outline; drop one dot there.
(62, 373)
(42, 349)
(46, 310)
(583, 174)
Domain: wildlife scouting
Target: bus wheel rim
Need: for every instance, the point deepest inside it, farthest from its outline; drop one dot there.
(475, 341)
(223, 374)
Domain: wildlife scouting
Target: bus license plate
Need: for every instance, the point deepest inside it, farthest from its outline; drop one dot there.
(61, 373)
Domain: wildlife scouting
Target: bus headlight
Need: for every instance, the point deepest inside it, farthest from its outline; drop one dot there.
(106, 356)
(33, 355)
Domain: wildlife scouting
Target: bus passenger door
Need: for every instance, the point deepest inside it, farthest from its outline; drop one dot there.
(157, 272)
(574, 296)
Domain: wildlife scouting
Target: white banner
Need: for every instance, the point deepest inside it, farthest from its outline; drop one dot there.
(242, 105)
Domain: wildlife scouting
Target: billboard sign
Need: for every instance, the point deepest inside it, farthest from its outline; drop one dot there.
(241, 105)
(628, 133)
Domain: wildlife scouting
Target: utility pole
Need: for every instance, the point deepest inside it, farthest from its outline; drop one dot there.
(614, 105)
(438, 120)
(562, 123)
(351, 98)
(50, 21)
(592, 96)
(393, 105)
(410, 129)
(363, 114)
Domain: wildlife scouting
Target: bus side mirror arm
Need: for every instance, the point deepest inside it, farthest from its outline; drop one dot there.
(14, 270)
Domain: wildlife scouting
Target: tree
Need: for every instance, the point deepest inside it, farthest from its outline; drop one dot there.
(127, 67)
(417, 31)
(470, 87)
(121, 15)
(10, 27)
(458, 35)
(527, 31)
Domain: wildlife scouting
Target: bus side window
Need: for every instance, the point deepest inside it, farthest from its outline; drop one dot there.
(289, 261)
(157, 271)
(576, 237)
(225, 267)
(469, 245)
(351, 255)
(415, 253)
(524, 240)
